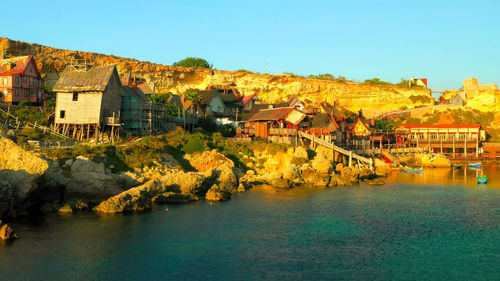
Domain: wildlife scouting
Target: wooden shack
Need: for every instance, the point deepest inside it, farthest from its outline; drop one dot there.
(281, 122)
(88, 103)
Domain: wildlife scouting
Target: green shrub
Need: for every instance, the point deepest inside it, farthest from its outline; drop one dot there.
(227, 130)
(24, 103)
(193, 145)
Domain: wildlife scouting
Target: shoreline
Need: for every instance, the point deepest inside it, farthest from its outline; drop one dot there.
(178, 167)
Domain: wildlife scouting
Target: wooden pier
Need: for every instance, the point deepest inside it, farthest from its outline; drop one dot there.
(335, 148)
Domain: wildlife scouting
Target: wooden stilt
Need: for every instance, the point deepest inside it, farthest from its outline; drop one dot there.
(88, 131)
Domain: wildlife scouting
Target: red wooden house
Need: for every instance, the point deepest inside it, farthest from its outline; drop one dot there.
(20, 80)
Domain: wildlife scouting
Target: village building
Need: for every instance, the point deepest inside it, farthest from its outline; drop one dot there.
(458, 140)
(212, 104)
(274, 123)
(249, 101)
(138, 114)
(292, 101)
(88, 103)
(323, 125)
(360, 132)
(20, 80)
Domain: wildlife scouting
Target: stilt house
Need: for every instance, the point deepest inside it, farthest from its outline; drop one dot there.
(88, 103)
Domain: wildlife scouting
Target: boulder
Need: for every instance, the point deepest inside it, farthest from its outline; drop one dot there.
(241, 187)
(174, 198)
(227, 179)
(20, 168)
(350, 174)
(314, 177)
(323, 161)
(91, 182)
(182, 182)
(65, 209)
(215, 193)
(136, 199)
(6, 232)
(208, 160)
(338, 180)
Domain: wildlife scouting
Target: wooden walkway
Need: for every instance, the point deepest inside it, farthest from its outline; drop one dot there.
(330, 145)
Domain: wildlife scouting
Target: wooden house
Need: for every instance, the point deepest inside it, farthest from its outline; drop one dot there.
(212, 103)
(88, 103)
(360, 132)
(323, 125)
(282, 122)
(20, 80)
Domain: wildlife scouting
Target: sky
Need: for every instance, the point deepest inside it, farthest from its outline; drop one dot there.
(444, 41)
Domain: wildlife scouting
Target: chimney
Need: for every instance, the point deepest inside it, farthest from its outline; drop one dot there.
(360, 112)
(8, 66)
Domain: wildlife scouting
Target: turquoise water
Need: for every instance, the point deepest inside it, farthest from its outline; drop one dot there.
(398, 231)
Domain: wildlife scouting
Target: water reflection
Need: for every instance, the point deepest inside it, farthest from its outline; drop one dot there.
(463, 176)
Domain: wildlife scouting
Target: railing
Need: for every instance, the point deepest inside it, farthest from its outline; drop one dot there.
(282, 132)
(112, 120)
(336, 148)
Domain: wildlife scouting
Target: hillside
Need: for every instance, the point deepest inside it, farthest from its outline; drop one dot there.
(270, 88)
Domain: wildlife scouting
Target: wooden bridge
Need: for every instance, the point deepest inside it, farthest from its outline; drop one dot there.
(335, 148)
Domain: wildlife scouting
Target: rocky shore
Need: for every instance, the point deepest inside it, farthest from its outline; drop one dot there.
(31, 183)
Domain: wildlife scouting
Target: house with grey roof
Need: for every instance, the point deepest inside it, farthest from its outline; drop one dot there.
(88, 103)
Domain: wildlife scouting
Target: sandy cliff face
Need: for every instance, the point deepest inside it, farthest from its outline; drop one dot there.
(270, 88)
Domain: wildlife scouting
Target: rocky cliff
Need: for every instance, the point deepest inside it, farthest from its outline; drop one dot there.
(270, 88)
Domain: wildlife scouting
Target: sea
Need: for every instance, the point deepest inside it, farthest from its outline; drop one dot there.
(435, 225)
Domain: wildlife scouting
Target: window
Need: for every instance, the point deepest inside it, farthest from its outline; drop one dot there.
(16, 92)
(41, 83)
(32, 92)
(5, 92)
(17, 80)
(62, 113)
(75, 96)
(25, 79)
(25, 92)
(5, 80)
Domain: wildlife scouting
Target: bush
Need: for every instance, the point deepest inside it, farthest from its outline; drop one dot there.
(50, 103)
(227, 130)
(193, 62)
(24, 103)
(31, 115)
(193, 145)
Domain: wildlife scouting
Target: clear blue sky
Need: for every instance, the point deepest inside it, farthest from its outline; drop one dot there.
(445, 41)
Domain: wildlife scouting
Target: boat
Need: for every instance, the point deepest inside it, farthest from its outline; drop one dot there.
(482, 179)
(457, 167)
(413, 170)
(475, 165)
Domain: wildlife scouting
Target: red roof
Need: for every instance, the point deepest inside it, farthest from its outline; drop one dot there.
(423, 80)
(19, 66)
(246, 99)
(271, 114)
(441, 126)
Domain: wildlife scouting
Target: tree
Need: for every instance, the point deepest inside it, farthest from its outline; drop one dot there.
(192, 95)
(193, 62)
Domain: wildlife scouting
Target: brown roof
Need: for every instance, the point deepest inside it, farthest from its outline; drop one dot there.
(322, 120)
(94, 79)
(271, 114)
